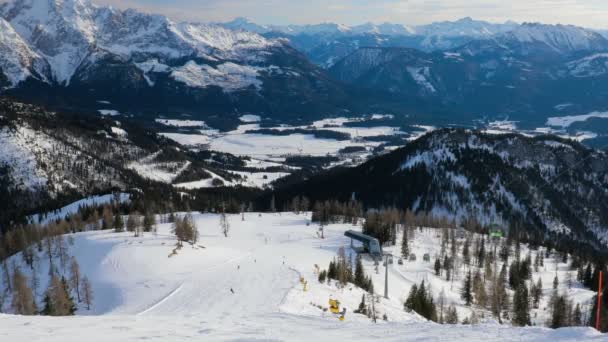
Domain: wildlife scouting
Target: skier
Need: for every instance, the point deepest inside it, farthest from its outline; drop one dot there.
(231, 290)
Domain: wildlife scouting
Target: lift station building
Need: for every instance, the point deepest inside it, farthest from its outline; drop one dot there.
(371, 245)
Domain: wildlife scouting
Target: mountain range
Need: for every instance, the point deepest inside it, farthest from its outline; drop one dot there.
(524, 74)
(77, 54)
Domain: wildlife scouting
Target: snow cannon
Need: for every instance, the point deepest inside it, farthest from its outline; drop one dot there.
(342, 315)
(334, 306)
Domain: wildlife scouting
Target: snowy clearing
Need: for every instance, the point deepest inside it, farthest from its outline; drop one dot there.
(109, 112)
(182, 123)
(566, 121)
(250, 118)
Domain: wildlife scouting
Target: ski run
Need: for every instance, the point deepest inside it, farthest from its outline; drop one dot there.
(261, 283)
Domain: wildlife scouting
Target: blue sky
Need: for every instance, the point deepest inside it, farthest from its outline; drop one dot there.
(589, 13)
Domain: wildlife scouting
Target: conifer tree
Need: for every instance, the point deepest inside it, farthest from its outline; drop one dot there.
(521, 310)
(405, 248)
(437, 267)
(118, 223)
(558, 313)
(466, 292)
(466, 256)
(360, 279)
(421, 301)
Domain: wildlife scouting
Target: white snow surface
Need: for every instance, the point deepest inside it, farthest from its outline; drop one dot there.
(421, 75)
(590, 66)
(17, 58)
(119, 131)
(17, 151)
(246, 287)
(182, 123)
(109, 112)
(71, 209)
(250, 118)
(228, 76)
(164, 172)
(561, 38)
(566, 121)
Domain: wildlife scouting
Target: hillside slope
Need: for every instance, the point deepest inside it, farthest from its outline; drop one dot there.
(543, 185)
(48, 159)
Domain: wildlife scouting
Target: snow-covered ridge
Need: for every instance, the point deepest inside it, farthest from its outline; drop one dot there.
(561, 38)
(589, 66)
(461, 27)
(17, 57)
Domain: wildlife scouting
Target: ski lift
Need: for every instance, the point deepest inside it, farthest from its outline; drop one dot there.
(400, 261)
(426, 257)
(412, 257)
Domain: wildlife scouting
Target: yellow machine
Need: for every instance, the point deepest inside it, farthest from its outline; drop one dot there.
(334, 306)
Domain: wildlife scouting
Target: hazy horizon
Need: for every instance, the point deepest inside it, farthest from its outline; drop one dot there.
(586, 13)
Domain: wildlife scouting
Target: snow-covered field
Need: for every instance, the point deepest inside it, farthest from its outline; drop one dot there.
(181, 123)
(566, 121)
(246, 287)
(274, 145)
(239, 142)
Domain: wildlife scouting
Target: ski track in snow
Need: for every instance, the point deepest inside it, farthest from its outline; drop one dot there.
(160, 302)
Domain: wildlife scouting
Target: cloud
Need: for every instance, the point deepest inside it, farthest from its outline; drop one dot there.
(589, 13)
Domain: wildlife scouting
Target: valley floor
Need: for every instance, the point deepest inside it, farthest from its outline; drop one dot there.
(243, 287)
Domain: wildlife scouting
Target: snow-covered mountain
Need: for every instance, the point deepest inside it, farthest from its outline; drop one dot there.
(387, 29)
(562, 39)
(464, 27)
(73, 33)
(523, 63)
(17, 60)
(67, 46)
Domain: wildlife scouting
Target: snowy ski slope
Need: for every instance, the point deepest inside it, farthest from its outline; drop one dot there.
(246, 287)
